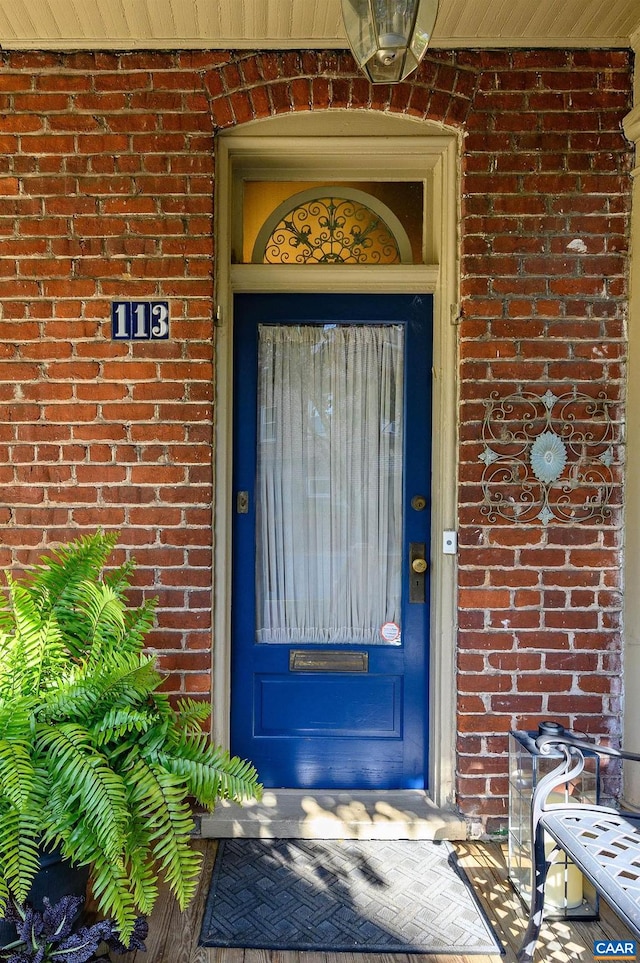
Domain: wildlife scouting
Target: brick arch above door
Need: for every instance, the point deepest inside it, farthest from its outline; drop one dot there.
(255, 86)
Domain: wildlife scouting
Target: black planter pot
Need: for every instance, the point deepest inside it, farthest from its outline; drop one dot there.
(55, 879)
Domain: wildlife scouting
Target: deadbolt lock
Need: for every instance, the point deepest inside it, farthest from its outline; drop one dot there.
(419, 566)
(418, 503)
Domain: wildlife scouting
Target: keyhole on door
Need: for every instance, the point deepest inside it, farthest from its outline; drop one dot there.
(418, 566)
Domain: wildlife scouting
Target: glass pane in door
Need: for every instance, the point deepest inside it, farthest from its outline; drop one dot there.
(329, 483)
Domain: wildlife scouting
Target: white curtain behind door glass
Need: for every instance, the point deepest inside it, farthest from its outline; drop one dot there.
(329, 482)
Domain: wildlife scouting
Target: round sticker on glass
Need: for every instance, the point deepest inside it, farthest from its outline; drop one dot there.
(390, 632)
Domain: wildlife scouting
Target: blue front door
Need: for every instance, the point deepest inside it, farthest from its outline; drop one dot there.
(330, 539)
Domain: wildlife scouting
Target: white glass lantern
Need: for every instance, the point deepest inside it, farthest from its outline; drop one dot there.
(389, 38)
(567, 894)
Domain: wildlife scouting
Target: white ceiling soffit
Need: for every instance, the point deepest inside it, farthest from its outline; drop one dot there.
(273, 24)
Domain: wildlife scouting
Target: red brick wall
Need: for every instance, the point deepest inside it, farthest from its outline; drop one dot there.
(106, 192)
(545, 165)
(106, 180)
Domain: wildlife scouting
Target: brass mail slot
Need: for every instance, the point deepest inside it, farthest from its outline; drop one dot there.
(302, 660)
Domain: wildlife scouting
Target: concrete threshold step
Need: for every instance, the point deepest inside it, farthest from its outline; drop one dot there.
(326, 814)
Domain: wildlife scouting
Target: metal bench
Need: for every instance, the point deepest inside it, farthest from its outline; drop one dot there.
(604, 843)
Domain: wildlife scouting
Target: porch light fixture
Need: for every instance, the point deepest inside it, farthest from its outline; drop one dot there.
(389, 38)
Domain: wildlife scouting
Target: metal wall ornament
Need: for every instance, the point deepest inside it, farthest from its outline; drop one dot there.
(548, 457)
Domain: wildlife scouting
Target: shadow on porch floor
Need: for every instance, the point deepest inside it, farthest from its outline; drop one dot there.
(173, 936)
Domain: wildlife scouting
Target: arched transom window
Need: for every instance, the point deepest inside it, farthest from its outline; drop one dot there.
(332, 226)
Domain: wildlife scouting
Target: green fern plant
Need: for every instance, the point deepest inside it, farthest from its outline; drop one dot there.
(94, 759)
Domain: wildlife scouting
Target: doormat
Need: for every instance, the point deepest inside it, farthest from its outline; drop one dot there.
(388, 896)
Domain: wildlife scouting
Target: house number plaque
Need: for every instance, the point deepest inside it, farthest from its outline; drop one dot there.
(139, 320)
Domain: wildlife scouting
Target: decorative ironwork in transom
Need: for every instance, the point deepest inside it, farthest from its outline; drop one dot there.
(324, 226)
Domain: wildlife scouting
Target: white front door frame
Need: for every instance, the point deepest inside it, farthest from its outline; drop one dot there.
(365, 146)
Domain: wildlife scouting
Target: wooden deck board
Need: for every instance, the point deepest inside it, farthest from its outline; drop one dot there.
(173, 936)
